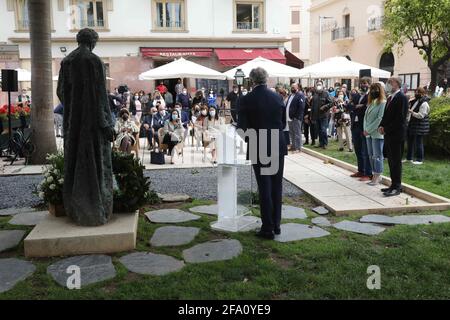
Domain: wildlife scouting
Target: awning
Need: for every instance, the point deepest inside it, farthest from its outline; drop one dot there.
(176, 52)
(236, 57)
(293, 61)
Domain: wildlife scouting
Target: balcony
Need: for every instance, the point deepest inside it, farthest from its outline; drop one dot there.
(375, 24)
(343, 34)
(91, 23)
(169, 25)
(249, 26)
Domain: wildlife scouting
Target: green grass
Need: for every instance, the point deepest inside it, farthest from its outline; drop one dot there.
(433, 175)
(414, 262)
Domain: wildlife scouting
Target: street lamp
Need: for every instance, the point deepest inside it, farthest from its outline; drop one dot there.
(239, 76)
(320, 35)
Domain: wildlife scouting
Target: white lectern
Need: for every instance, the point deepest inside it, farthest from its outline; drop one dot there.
(232, 217)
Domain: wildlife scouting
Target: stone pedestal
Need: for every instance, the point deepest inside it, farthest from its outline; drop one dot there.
(61, 237)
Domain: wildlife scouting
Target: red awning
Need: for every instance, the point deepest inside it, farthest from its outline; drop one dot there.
(236, 57)
(176, 52)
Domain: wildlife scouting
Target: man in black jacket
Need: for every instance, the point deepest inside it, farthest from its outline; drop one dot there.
(393, 127)
(261, 113)
(295, 109)
(321, 105)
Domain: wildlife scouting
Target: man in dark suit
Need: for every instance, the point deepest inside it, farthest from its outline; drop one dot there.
(393, 127)
(295, 109)
(262, 112)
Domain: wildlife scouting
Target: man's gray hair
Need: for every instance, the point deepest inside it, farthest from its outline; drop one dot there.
(396, 79)
(259, 76)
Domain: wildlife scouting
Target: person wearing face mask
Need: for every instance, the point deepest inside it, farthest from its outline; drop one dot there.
(126, 131)
(23, 100)
(321, 105)
(159, 119)
(184, 99)
(342, 119)
(147, 124)
(308, 126)
(199, 124)
(211, 126)
(184, 117)
(179, 87)
(394, 126)
(231, 103)
(358, 107)
(212, 99)
(418, 125)
(168, 99)
(136, 107)
(157, 98)
(375, 141)
(173, 134)
(295, 108)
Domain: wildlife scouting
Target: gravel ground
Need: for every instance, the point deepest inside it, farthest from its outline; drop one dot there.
(16, 191)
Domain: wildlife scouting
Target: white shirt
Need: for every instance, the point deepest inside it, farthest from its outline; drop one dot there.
(291, 97)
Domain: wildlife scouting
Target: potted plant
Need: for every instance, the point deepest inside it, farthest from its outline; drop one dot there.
(51, 187)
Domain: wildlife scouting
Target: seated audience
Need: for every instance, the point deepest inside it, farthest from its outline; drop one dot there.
(126, 131)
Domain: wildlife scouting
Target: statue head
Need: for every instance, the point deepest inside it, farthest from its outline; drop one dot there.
(87, 37)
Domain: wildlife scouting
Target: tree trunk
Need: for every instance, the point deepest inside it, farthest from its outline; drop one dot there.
(43, 134)
(434, 74)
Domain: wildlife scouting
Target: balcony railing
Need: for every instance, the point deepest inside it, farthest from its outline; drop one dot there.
(248, 25)
(23, 24)
(343, 33)
(169, 24)
(92, 23)
(375, 24)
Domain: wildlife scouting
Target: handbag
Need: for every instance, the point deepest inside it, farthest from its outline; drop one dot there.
(157, 157)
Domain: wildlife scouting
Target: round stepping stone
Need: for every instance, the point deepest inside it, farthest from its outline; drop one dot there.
(295, 232)
(214, 209)
(170, 216)
(93, 269)
(321, 210)
(12, 271)
(10, 239)
(174, 197)
(321, 221)
(290, 212)
(173, 236)
(405, 219)
(14, 211)
(151, 264)
(28, 219)
(357, 227)
(216, 250)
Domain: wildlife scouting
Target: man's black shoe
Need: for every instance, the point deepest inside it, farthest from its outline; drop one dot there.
(265, 235)
(386, 189)
(392, 193)
(277, 231)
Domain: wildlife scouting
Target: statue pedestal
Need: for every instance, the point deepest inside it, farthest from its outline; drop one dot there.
(61, 237)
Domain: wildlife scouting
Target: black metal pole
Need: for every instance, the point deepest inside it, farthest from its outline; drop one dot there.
(9, 116)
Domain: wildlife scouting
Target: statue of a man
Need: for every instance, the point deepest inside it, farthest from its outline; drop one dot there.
(88, 132)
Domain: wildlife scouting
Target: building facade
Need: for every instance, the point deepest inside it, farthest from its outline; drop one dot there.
(137, 35)
(299, 29)
(353, 28)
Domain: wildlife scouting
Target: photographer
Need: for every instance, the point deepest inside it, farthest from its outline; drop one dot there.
(342, 119)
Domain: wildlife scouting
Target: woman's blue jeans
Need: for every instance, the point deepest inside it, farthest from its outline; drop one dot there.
(375, 151)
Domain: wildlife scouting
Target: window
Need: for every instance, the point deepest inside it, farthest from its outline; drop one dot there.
(295, 17)
(22, 19)
(412, 80)
(89, 14)
(296, 45)
(169, 14)
(249, 15)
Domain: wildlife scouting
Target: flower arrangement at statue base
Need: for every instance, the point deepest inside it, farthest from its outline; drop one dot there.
(19, 116)
(51, 187)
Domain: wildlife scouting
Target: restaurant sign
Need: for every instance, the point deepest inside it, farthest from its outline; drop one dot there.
(176, 52)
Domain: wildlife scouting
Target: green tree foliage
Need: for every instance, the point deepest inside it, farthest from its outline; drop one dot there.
(439, 136)
(426, 24)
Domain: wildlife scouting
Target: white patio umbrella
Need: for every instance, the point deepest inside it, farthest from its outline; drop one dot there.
(340, 67)
(23, 75)
(274, 69)
(181, 68)
(55, 78)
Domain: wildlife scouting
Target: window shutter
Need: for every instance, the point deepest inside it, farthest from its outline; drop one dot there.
(60, 5)
(10, 5)
(109, 5)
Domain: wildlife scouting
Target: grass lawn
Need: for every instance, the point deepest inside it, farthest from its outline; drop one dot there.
(414, 262)
(433, 175)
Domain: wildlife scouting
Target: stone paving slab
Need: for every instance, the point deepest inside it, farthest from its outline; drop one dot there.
(14, 211)
(10, 239)
(405, 219)
(170, 216)
(148, 263)
(216, 250)
(357, 227)
(29, 219)
(214, 209)
(294, 232)
(321, 222)
(13, 271)
(290, 212)
(321, 210)
(174, 197)
(93, 268)
(173, 236)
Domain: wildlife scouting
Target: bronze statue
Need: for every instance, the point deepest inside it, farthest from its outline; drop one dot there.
(88, 132)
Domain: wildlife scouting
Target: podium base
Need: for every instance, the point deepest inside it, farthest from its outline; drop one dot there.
(238, 224)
